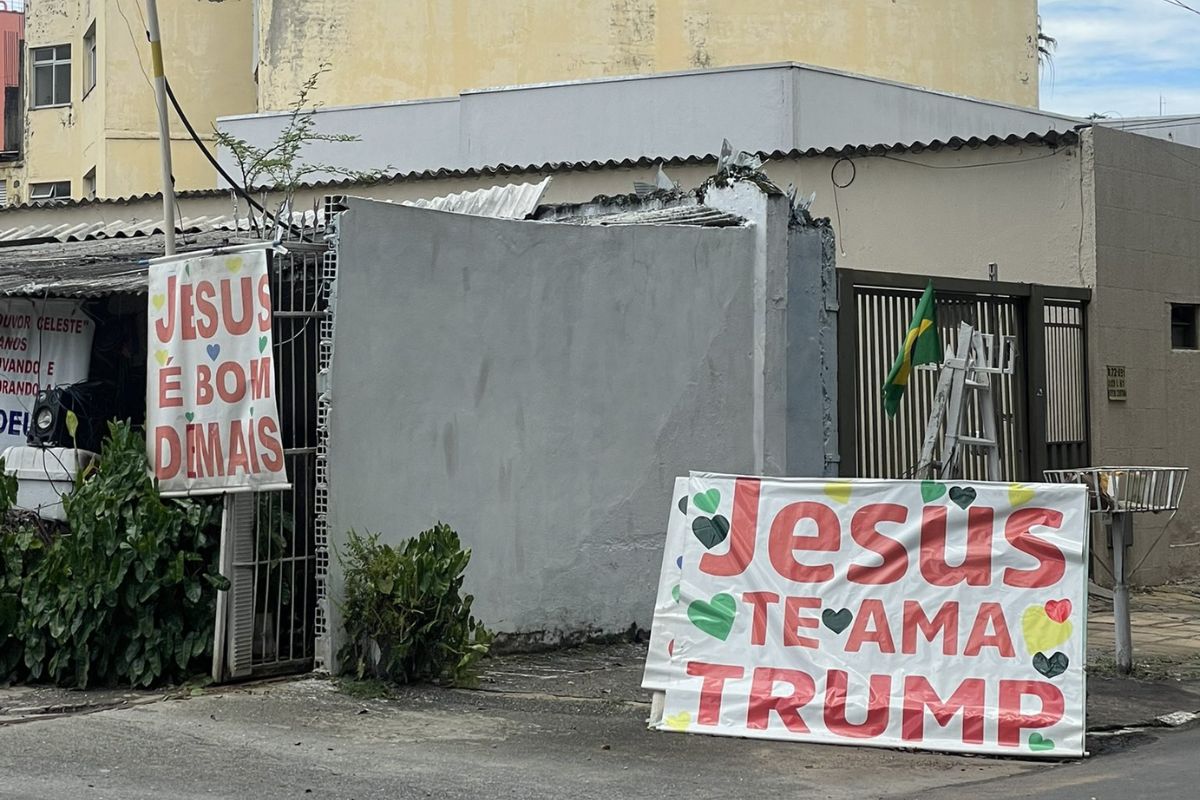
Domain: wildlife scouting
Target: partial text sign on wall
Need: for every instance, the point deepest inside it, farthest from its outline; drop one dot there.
(915, 614)
(212, 416)
(43, 343)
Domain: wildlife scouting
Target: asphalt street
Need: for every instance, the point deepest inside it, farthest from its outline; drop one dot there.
(304, 738)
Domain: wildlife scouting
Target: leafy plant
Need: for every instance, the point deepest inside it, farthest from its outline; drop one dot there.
(280, 165)
(125, 595)
(405, 616)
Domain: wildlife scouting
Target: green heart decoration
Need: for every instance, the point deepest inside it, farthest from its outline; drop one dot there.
(714, 617)
(711, 531)
(675, 592)
(932, 490)
(190, 416)
(1038, 743)
(708, 501)
(837, 621)
(962, 496)
(262, 343)
(682, 504)
(1053, 666)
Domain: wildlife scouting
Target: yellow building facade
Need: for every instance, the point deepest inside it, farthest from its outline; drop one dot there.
(91, 125)
(384, 50)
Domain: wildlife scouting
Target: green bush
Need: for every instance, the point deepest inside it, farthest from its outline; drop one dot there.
(405, 617)
(125, 595)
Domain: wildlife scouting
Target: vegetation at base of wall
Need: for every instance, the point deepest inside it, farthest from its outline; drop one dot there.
(125, 594)
(405, 615)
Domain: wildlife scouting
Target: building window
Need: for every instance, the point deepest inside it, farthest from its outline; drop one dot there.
(1183, 326)
(89, 62)
(89, 184)
(51, 76)
(54, 191)
(3, 193)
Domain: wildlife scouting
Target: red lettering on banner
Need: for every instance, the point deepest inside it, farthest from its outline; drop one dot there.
(945, 622)
(168, 454)
(976, 566)
(878, 706)
(784, 541)
(1051, 563)
(268, 434)
(261, 378)
(170, 390)
(204, 387)
(793, 622)
(239, 459)
(264, 303)
(742, 533)
(870, 613)
(187, 312)
(892, 554)
(234, 393)
(967, 699)
(204, 456)
(164, 326)
(990, 615)
(1011, 719)
(713, 688)
(207, 309)
(238, 325)
(763, 699)
(758, 625)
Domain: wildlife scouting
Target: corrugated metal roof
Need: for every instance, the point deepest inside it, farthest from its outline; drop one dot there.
(1051, 138)
(87, 269)
(512, 201)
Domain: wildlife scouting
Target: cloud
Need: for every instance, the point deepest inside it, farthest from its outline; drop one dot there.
(1119, 56)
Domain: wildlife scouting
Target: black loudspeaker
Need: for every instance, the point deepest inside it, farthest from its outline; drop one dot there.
(48, 422)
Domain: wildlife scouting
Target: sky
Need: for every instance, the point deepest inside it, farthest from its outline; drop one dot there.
(1116, 57)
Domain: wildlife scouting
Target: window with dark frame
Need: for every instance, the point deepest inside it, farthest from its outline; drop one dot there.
(51, 76)
(89, 55)
(1183, 326)
(50, 192)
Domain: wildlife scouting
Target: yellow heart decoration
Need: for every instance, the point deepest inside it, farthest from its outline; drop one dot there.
(161, 357)
(1019, 495)
(680, 721)
(158, 301)
(838, 492)
(1043, 634)
(233, 264)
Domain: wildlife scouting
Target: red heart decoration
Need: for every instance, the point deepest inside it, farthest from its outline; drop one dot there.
(671, 647)
(1058, 610)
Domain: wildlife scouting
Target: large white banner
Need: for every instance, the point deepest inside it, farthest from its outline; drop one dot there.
(915, 614)
(43, 343)
(212, 419)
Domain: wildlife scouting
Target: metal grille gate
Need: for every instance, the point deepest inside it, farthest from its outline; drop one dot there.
(1041, 409)
(271, 535)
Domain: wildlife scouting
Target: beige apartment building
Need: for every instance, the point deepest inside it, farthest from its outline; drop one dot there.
(90, 124)
(385, 50)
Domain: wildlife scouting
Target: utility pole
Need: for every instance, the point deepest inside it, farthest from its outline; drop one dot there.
(164, 127)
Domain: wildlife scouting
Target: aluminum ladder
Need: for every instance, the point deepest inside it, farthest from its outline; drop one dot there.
(966, 382)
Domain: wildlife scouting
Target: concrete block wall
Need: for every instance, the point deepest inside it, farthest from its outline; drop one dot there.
(538, 386)
(1147, 207)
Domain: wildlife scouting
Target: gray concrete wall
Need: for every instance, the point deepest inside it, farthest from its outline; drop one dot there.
(538, 387)
(1147, 206)
(768, 107)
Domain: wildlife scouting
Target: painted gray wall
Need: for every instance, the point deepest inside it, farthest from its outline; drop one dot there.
(538, 387)
(769, 107)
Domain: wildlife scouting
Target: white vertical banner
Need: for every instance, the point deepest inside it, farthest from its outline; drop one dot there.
(212, 418)
(915, 614)
(43, 343)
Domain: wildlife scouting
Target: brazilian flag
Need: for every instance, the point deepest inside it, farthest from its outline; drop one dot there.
(921, 346)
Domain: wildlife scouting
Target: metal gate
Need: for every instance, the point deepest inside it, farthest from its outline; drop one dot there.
(875, 310)
(271, 561)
